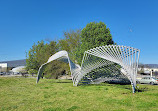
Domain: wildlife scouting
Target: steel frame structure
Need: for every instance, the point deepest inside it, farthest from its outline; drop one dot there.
(126, 57)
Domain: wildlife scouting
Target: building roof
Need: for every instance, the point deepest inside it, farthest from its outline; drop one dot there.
(15, 63)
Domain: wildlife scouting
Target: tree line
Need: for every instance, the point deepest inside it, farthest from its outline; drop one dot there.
(75, 42)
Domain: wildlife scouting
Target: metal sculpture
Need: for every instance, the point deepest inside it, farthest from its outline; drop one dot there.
(108, 58)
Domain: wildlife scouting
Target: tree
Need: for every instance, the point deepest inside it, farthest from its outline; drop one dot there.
(70, 42)
(141, 66)
(93, 35)
(32, 59)
(32, 71)
(39, 54)
(75, 42)
(55, 69)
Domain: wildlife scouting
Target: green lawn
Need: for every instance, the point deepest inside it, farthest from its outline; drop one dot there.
(22, 94)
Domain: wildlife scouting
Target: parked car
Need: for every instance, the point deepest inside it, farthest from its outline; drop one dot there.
(1, 73)
(148, 80)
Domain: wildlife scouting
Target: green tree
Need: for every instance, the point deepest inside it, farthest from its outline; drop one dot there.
(32, 71)
(70, 42)
(55, 69)
(141, 66)
(39, 54)
(31, 57)
(93, 35)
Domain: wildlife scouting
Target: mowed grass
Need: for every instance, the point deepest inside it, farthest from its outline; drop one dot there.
(23, 94)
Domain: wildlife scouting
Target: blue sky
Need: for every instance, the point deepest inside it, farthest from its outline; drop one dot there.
(24, 22)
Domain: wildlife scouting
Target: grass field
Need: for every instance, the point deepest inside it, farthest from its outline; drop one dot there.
(23, 94)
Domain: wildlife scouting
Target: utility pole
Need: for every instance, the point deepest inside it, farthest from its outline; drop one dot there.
(151, 74)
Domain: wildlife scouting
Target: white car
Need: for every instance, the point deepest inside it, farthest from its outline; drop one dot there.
(148, 80)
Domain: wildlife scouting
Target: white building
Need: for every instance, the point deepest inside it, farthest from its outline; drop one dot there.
(155, 69)
(3, 67)
(18, 69)
(11, 64)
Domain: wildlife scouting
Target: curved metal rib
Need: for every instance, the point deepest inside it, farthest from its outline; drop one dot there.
(63, 56)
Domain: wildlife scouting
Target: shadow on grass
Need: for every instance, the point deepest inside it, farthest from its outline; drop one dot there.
(63, 82)
(141, 89)
(118, 85)
(101, 84)
(104, 84)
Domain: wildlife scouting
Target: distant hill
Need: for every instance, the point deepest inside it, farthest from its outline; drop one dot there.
(15, 63)
(151, 65)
